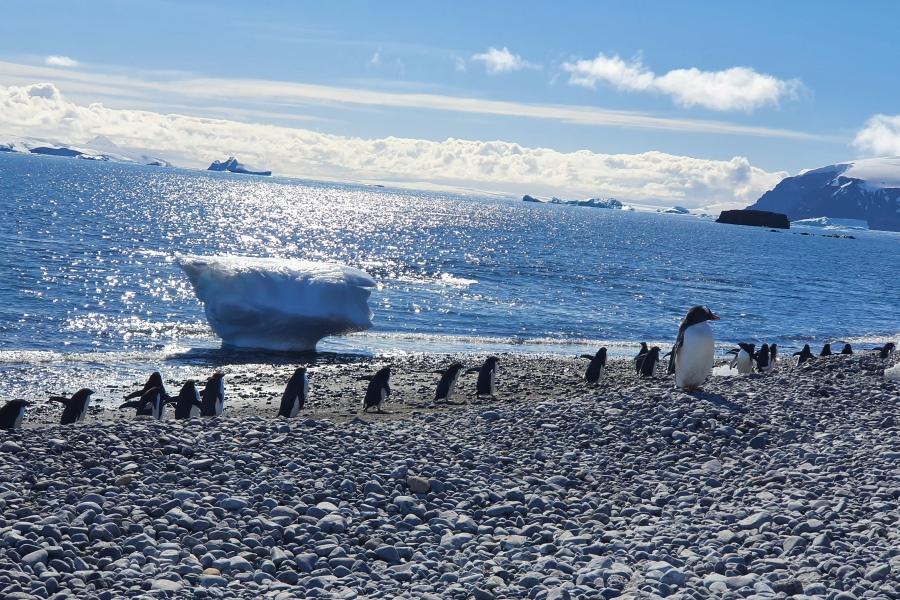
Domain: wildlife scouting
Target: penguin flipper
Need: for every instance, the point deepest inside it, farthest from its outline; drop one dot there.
(587, 356)
(364, 378)
(60, 399)
(132, 404)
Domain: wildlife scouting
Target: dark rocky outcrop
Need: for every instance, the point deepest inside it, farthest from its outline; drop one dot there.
(756, 218)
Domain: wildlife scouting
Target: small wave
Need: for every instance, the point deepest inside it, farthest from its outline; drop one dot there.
(128, 328)
(449, 279)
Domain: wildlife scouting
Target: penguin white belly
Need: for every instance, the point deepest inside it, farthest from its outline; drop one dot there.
(451, 389)
(220, 405)
(295, 407)
(84, 408)
(18, 422)
(384, 395)
(744, 362)
(494, 381)
(694, 360)
(195, 411)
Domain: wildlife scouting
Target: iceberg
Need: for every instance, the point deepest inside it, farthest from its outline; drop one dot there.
(279, 304)
(233, 166)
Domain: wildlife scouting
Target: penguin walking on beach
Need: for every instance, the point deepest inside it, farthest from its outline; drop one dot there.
(804, 355)
(847, 349)
(213, 396)
(75, 407)
(826, 350)
(640, 357)
(595, 368)
(187, 403)
(152, 403)
(743, 358)
(646, 364)
(12, 414)
(694, 351)
(378, 390)
(486, 385)
(886, 351)
(295, 394)
(154, 381)
(763, 362)
(446, 386)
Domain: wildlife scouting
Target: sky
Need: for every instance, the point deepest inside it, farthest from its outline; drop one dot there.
(689, 103)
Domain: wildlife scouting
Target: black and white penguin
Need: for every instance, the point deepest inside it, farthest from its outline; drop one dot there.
(295, 394)
(151, 404)
(187, 403)
(12, 414)
(805, 355)
(378, 390)
(487, 378)
(75, 407)
(763, 364)
(646, 364)
(595, 368)
(773, 354)
(847, 349)
(743, 358)
(694, 351)
(887, 350)
(826, 350)
(154, 381)
(446, 386)
(213, 396)
(639, 357)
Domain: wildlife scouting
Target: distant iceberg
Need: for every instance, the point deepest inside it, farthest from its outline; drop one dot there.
(832, 223)
(233, 166)
(676, 210)
(609, 203)
(279, 304)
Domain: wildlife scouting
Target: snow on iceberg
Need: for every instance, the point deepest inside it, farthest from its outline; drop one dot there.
(279, 304)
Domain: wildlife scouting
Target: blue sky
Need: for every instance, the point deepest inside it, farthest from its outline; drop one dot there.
(831, 65)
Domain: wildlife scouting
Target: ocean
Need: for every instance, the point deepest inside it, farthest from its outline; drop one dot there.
(88, 281)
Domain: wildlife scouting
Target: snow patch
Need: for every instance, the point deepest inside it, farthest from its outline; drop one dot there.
(833, 223)
(878, 173)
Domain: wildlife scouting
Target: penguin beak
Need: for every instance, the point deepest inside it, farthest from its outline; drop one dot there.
(713, 316)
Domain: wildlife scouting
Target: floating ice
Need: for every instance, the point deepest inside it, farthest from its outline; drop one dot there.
(279, 304)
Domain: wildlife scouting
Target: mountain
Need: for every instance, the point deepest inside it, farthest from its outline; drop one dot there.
(610, 203)
(866, 190)
(99, 148)
(233, 166)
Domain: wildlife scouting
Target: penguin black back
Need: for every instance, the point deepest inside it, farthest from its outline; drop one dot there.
(154, 381)
(213, 396)
(378, 390)
(188, 404)
(649, 361)
(487, 378)
(762, 358)
(826, 350)
(696, 314)
(75, 407)
(595, 367)
(886, 350)
(13, 413)
(804, 355)
(447, 383)
(773, 353)
(847, 349)
(294, 397)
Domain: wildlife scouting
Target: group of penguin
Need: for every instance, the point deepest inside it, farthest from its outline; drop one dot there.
(690, 360)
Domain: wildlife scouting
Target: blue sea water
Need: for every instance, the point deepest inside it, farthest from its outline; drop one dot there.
(87, 271)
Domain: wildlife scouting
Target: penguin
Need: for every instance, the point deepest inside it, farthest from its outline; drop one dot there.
(763, 363)
(378, 390)
(12, 413)
(639, 357)
(487, 378)
(595, 368)
(692, 356)
(187, 403)
(75, 407)
(446, 386)
(295, 394)
(804, 355)
(213, 396)
(886, 351)
(155, 381)
(826, 350)
(773, 354)
(647, 362)
(847, 349)
(151, 404)
(743, 358)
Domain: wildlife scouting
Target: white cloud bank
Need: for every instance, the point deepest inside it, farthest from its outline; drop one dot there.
(60, 61)
(649, 177)
(502, 61)
(879, 136)
(737, 88)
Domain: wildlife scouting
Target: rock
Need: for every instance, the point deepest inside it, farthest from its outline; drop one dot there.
(166, 585)
(755, 521)
(418, 485)
(879, 572)
(332, 524)
(234, 503)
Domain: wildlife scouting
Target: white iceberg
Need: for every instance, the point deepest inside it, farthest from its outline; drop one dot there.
(279, 304)
(833, 223)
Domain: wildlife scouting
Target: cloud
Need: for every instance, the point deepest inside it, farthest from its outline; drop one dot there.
(60, 61)
(879, 136)
(40, 110)
(737, 88)
(375, 61)
(502, 61)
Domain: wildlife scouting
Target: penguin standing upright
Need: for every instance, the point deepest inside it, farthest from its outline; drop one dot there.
(847, 349)
(886, 351)
(743, 358)
(152, 403)
(213, 396)
(12, 414)
(295, 394)
(647, 363)
(639, 357)
(826, 350)
(187, 403)
(693, 354)
(773, 354)
(75, 407)
(378, 390)
(446, 386)
(763, 364)
(487, 378)
(154, 381)
(805, 355)
(595, 368)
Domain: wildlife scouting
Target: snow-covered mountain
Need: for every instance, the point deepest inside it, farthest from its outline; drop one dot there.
(99, 148)
(867, 190)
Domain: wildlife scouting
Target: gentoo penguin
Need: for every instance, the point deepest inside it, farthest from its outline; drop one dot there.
(595, 368)
(155, 381)
(75, 407)
(847, 349)
(295, 394)
(763, 364)
(887, 350)
(692, 356)
(446, 386)
(773, 354)
(152, 403)
(805, 355)
(187, 403)
(647, 362)
(743, 358)
(213, 396)
(378, 390)
(826, 350)
(12, 413)
(487, 378)
(638, 358)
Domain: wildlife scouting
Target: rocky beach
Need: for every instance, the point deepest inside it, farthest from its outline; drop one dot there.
(784, 485)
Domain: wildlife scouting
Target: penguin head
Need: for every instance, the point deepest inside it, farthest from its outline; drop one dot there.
(601, 353)
(18, 403)
(300, 372)
(82, 394)
(654, 352)
(490, 362)
(217, 376)
(644, 347)
(155, 380)
(748, 348)
(698, 314)
(764, 348)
